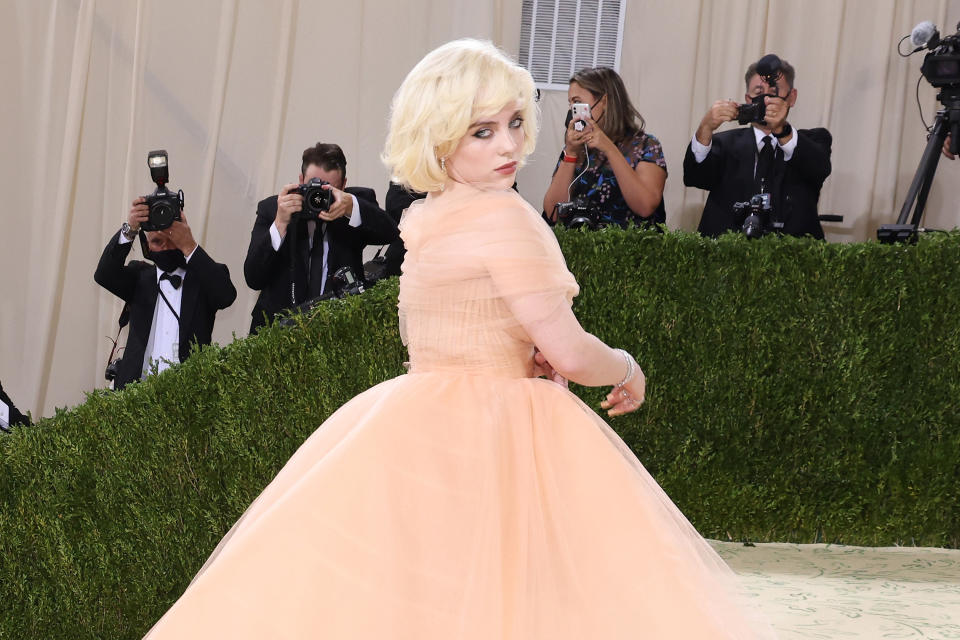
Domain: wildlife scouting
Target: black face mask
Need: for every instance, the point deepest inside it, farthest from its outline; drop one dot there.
(169, 260)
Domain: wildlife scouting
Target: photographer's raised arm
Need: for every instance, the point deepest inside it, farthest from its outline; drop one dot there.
(721, 111)
(811, 158)
(376, 226)
(287, 204)
(702, 167)
(641, 187)
(112, 273)
(273, 216)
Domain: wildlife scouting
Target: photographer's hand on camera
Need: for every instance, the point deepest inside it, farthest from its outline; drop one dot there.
(596, 139)
(946, 149)
(776, 117)
(574, 140)
(721, 111)
(181, 236)
(287, 204)
(342, 206)
(139, 213)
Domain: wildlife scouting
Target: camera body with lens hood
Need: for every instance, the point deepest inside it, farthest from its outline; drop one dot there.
(316, 199)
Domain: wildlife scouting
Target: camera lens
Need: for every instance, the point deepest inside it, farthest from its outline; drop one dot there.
(316, 199)
(162, 214)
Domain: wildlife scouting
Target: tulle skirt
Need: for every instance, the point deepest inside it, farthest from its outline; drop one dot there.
(456, 506)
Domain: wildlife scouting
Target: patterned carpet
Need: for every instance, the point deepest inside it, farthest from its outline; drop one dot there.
(814, 591)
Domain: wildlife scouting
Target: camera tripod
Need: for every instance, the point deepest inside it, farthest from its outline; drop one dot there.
(946, 122)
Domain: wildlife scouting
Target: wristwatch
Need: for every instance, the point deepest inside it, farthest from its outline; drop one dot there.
(786, 131)
(128, 232)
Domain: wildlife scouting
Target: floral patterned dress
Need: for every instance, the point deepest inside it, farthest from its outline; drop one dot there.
(598, 184)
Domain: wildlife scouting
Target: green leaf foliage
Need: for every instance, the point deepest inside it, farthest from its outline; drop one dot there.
(797, 391)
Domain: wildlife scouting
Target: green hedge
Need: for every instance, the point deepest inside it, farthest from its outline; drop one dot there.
(798, 391)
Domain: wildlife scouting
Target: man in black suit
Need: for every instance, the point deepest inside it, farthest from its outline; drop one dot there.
(770, 157)
(335, 238)
(172, 303)
(9, 414)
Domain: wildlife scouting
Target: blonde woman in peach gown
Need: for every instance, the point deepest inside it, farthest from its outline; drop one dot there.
(470, 498)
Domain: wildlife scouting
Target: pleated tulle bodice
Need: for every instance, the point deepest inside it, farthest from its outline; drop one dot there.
(479, 267)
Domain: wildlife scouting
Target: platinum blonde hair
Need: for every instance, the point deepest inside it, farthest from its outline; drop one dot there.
(452, 87)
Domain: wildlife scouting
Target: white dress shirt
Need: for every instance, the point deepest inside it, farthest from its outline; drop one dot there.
(700, 151)
(163, 345)
(276, 240)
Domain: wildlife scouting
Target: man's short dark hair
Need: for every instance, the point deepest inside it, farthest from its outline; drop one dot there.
(326, 156)
(789, 73)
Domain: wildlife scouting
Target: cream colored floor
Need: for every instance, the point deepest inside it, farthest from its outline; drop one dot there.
(814, 591)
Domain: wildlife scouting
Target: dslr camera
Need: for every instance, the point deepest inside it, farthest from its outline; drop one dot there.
(343, 283)
(757, 216)
(110, 373)
(315, 199)
(768, 68)
(579, 213)
(164, 205)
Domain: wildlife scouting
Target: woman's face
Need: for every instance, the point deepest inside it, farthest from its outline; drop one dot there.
(487, 155)
(576, 93)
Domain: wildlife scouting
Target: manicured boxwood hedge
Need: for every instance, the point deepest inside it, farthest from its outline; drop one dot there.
(798, 391)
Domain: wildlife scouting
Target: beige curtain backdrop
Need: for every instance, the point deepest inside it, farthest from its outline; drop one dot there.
(235, 89)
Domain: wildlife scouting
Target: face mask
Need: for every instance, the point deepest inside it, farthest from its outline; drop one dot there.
(169, 260)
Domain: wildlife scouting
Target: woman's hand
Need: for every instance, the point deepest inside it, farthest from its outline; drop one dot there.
(542, 368)
(573, 140)
(594, 136)
(627, 398)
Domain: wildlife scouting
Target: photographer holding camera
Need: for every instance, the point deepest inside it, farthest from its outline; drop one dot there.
(174, 301)
(770, 156)
(309, 232)
(611, 171)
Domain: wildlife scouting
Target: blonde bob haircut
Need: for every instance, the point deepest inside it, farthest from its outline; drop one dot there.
(454, 86)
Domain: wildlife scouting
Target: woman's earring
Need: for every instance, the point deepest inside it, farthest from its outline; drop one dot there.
(443, 167)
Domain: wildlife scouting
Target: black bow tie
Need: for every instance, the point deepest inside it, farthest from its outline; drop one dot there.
(174, 279)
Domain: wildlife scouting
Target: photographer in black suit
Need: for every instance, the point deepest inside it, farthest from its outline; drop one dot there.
(333, 239)
(173, 302)
(9, 414)
(770, 155)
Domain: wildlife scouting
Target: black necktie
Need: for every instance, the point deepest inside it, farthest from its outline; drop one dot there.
(315, 274)
(764, 165)
(174, 279)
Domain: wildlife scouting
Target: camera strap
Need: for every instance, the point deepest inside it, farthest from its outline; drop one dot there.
(122, 322)
(169, 306)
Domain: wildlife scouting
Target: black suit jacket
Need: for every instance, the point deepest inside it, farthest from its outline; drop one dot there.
(16, 418)
(206, 289)
(268, 271)
(728, 174)
(398, 199)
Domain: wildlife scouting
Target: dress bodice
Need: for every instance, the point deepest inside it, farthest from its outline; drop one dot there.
(480, 268)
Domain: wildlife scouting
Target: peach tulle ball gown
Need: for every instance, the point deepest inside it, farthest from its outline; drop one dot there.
(465, 499)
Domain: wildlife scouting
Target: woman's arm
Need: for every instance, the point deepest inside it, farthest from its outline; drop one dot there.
(583, 358)
(559, 189)
(642, 187)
